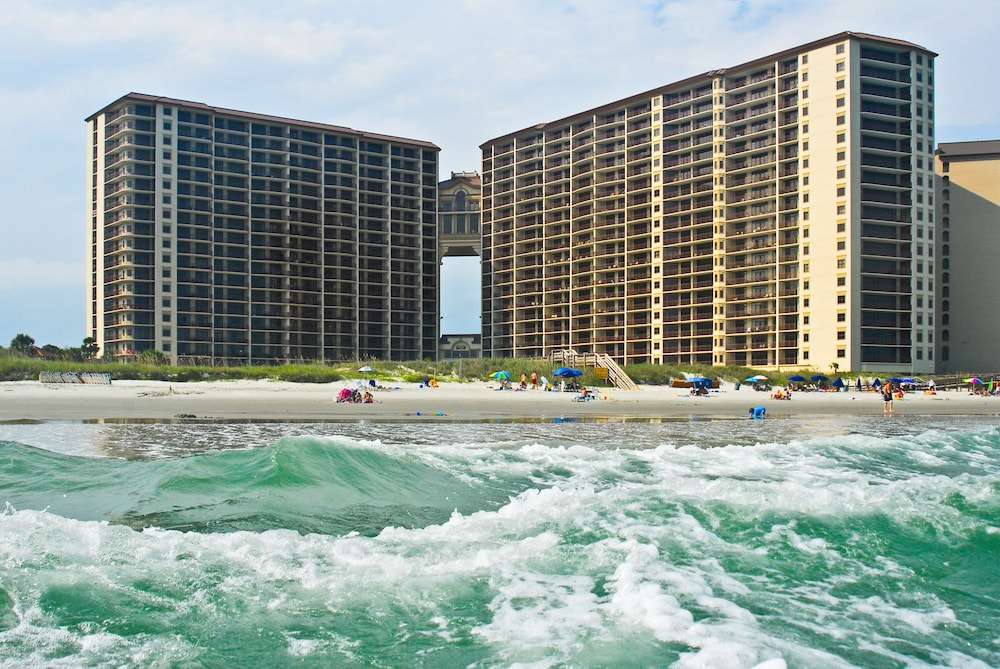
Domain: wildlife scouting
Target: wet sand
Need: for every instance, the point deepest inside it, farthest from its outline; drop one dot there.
(473, 401)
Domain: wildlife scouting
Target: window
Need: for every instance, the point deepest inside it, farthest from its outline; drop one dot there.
(805, 337)
(840, 48)
(841, 227)
(841, 353)
(841, 334)
(841, 318)
(841, 137)
(840, 84)
(841, 102)
(841, 173)
(841, 245)
(841, 120)
(841, 280)
(840, 66)
(841, 191)
(841, 155)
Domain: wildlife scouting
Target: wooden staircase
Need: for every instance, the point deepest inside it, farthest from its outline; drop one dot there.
(616, 375)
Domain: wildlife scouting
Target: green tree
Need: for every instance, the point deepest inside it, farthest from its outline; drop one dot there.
(151, 357)
(90, 349)
(22, 343)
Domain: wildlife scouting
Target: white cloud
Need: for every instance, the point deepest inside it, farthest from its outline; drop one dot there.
(456, 73)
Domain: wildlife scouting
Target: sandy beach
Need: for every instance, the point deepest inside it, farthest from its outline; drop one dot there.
(474, 401)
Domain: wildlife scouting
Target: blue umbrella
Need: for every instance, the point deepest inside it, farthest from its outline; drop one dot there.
(697, 381)
(908, 380)
(797, 378)
(566, 371)
(819, 377)
(839, 383)
(501, 376)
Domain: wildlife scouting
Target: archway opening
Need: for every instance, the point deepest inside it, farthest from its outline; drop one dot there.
(461, 295)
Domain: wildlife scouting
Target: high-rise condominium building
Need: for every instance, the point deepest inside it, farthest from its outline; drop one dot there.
(968, 243)
(229, 236)
(772, 214)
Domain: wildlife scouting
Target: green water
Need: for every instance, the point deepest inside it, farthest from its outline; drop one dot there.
(714, 544)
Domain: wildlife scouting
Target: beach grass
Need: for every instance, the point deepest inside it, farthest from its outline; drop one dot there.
(24, 368)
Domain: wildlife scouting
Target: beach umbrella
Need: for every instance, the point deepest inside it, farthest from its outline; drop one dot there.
(760, 377)
(839, 383)
(973, 380)
(858, 383)
(895, 379)
(797, 378)
(567, 372)
(907, 380)
(750, 379)
(819, 378)
(501, 376)
(697, 381)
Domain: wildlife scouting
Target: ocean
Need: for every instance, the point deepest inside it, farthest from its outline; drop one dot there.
(799, 542)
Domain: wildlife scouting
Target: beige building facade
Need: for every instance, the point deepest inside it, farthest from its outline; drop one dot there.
(227, 237)
(968, 243)
(769, 214)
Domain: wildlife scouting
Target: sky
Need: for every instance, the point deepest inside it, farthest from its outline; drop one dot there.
(456, 73)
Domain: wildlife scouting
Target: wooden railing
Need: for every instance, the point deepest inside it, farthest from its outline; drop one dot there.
(616, 375)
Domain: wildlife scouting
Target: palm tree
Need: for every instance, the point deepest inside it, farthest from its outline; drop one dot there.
(22, 343)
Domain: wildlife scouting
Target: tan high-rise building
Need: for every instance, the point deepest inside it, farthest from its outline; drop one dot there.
(769, 214)
(233, 237)
(968, 243)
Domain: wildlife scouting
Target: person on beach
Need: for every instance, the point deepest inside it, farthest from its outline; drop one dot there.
(758, 413)
(887, 398)
(534, 380)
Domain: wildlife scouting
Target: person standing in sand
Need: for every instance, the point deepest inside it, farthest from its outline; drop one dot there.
(534, 380)
(887, 398)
